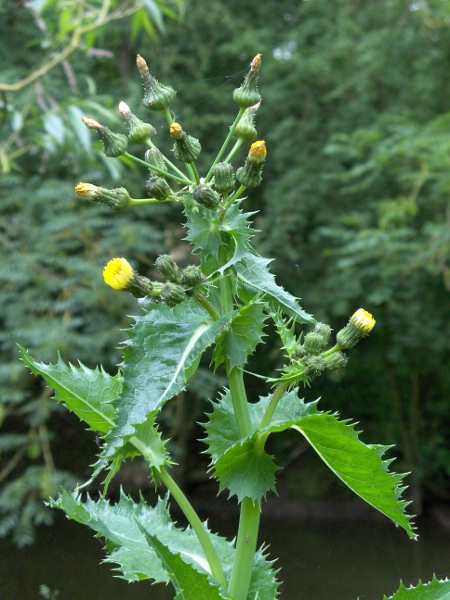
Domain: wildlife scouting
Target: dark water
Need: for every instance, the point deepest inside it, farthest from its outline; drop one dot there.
(319, 561)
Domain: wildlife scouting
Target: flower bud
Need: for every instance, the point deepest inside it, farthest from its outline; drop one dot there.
(245, 129)
(335, 361)
(156, 95)
(248, 95)
(117, 199)
(250, 174)
(223, 177)
(206, 196)
(138, 131)
(191, 276)
(114, 144)
(154, 157)
(360, 324)
(168, 268)
(120, 275)
(173, 294)
(186, 148)
(314, 365)
(313, 343)
(158, 188)
(324, 331)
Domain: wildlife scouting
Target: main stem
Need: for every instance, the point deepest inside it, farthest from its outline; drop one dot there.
(247, 538)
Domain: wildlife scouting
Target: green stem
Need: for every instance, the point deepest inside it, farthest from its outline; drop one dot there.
(138, 201)
(183, 180)
(197, 526)
(206, 304)
(267, 417)
(234, 149)
(225, 144)
(236, 195)
(244, 558)
(193, 172)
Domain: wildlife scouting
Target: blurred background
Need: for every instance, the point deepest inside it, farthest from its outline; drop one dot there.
(354, 207)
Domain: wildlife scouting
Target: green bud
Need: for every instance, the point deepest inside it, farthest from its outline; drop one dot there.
(191, 276)
(117, 199)
(158, 188)
(324, 331)
(245, 129)
(206, 196)
(114, 144)
(223, 177)
(173, 294)
(314, 365)
(335, 361)
(156, 95)
(248, 95)
(154, 157)
(138, 131)
(313, 343)
(168, 268)
(186, 148)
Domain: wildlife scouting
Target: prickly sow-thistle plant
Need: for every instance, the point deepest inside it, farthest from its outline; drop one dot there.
(223, 301)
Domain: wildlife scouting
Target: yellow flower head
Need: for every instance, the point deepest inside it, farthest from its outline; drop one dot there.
(258, 152)
(363, 321)
(119, 274)
(87, 190)
(176, 131)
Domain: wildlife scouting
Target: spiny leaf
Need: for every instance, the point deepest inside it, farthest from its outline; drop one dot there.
(434, 590)
(126, 544)
(234, 231)
(90, 394)
(255, 278)
(240, 338)
(187, 581)
(163, 346)
(264, 584)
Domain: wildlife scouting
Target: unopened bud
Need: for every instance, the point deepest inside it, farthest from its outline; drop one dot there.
(173, 294)
(154, 158)
(248, 95)
(324, 330)
(223, 177)
(245, 129)
(168, 268)
(156, 95)
(186, 148)
(191, 276)
(335, 361)
(117, 198)
(114, 144)
(313, 343)
(158, 188)
(138, 131)
(206, 196)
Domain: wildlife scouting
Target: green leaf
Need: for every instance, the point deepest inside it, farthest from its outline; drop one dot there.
(163, 346)
(209, 233)
(238, 464)
(126, 544)
(434, 590)
(90, 394)
(255, 278)
(264, 583)
(245, 470)
(358, 465)
(240, 338)
(187, 581)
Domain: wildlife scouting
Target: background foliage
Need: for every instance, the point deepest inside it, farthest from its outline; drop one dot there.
(354, 207)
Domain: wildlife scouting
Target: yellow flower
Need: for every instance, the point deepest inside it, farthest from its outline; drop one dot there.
(176, 131)
(363, 321)
(258, 151)
(119, 274)
(87, 190)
